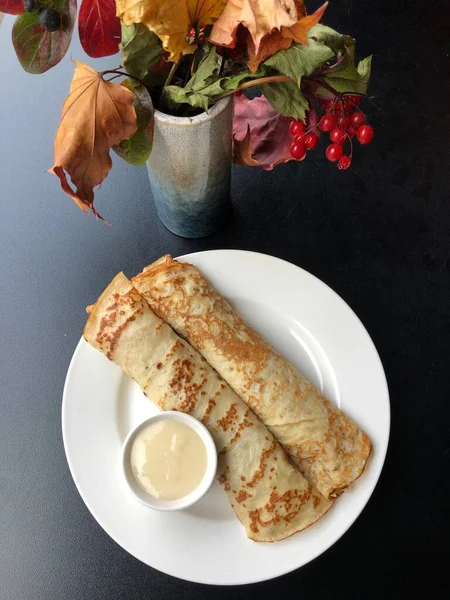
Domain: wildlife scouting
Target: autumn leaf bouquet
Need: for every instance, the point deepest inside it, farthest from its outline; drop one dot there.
(293, 78)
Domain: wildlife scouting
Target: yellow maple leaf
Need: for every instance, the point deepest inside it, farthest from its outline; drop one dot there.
(205, 12)
(171, 20)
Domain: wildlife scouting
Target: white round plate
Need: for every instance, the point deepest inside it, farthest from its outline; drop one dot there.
(317, 331)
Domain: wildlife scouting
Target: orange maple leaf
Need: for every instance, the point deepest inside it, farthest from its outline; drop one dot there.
(299, 31)
(260, 17)
(96, 116)
(272, 25)
(281, 39)
(270, 44)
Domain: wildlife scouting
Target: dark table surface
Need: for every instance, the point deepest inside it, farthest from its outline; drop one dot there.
(379, 234)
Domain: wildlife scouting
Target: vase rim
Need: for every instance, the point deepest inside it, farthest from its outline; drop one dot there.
(203, 117)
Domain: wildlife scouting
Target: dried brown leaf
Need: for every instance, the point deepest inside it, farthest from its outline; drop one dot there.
(96, 115)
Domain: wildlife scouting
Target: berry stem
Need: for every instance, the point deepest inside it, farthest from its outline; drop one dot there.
(338, 95)
(347, 136)
(331, 89)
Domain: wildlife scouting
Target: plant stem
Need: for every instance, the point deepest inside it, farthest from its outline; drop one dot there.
(172, 72)
(323, 84)
(193, 67)
(222, 63)
(118, 73)
(189, 72)
(254, 83)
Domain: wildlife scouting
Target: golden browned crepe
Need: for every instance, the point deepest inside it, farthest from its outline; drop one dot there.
(328, 448)
(270, 497)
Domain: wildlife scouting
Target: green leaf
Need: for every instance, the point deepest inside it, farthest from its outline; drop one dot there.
(39, 50)
(192, 93)
(327, 36)
(205, 85)
(204, 96)
(300, 60)
(174, 95)
(364, 68)
(344, 76)
(137, 149)
(350, 79)
(345, 67)
(230, 83)
(206, 70)
(287, 99)
(140, 48)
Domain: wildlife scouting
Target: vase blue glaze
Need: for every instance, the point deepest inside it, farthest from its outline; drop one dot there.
(190, 170)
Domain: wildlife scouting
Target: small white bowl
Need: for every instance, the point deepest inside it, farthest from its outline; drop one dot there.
(200, 490)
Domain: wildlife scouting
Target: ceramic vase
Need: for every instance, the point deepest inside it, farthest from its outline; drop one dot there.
(190, 170)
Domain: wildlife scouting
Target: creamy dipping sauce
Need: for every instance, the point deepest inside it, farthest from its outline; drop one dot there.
(168, 459)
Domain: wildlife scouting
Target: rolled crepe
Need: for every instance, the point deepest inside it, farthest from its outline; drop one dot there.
(328, 448)
(270, 497)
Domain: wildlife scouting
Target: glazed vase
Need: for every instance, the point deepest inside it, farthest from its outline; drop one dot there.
(190, 170)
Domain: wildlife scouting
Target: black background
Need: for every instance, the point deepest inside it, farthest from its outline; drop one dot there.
(379, 234)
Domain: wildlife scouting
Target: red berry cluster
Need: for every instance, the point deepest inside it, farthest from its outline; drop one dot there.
(343, 120)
